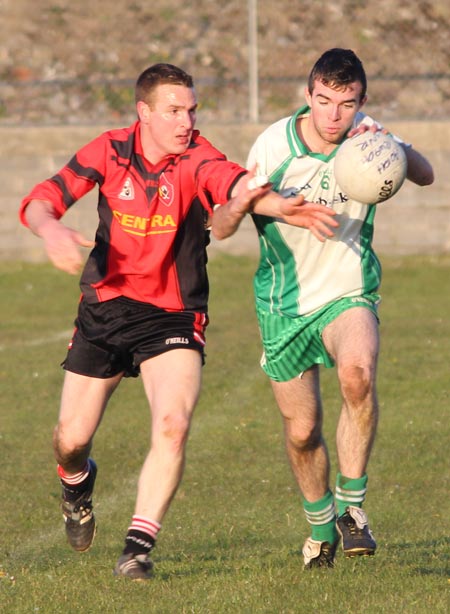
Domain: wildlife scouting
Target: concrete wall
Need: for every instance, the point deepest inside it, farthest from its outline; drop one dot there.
(416, 220)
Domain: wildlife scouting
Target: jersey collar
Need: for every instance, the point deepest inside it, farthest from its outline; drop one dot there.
(296, 146)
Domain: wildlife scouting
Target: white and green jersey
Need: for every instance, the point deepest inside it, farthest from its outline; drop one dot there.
(297, 273)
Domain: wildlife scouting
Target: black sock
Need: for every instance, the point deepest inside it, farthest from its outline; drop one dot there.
(72, 490)
(138, 542)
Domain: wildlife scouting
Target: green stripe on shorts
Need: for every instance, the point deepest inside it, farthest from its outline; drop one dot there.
(293, 345)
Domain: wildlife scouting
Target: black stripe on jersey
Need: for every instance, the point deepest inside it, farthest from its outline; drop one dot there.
(68, 198)
(84, 172)
(96, 267)
(127, 157)
(124, 149)
(230, 189)
(191, 258)
(87, 172)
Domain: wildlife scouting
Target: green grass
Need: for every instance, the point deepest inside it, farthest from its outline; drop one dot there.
(232, 538)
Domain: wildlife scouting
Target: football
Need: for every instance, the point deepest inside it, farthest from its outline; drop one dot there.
(370, 167)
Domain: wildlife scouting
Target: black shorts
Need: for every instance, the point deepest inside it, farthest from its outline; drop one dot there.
(117, 335)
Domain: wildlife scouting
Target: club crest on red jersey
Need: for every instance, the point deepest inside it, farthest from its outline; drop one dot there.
(166, 191)
(127, 192)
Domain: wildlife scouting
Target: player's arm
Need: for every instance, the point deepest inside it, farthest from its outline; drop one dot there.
(61, 243)
(48, 201)
(263, 201)
(420, 170)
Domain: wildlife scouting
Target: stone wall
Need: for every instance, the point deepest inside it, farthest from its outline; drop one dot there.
(416, 220)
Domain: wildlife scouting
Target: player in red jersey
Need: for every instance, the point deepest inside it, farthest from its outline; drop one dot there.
(144, 291)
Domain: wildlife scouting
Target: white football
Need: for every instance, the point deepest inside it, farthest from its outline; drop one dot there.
(370, 167)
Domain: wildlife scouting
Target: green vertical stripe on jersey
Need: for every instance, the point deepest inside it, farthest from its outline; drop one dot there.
(277, 265)
(277, 270)
(277, 175)
(371, 267)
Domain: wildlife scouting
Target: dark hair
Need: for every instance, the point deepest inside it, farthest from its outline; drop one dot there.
(337, 68)
(160, 74)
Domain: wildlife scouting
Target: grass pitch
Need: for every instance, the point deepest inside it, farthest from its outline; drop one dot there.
(232, 539)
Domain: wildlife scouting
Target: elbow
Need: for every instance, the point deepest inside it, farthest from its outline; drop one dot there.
(219, 233)
(420, 172)
(424, 179)
(429, 178)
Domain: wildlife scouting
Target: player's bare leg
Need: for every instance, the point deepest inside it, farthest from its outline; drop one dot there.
(83, 402)
(172, 384)
(300, 406)
(353, 341)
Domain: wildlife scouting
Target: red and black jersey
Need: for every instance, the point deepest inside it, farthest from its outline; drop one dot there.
(151, 238)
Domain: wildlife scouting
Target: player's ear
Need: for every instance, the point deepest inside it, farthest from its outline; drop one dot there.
(363, 101)
(307, 96)
(143, 111)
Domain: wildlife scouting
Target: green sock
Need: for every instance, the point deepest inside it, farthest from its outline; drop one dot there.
(350, 491)
(321, 516)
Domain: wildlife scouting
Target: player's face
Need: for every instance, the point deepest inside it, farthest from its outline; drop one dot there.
(333, 111)
(168, 121)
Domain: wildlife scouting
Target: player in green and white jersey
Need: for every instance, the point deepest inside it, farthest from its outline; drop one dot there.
(316, 300)
(297, 274)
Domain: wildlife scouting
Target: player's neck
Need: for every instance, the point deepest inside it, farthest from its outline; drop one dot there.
(152, 154)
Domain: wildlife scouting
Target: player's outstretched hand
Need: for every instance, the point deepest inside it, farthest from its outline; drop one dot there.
(254, 194)
(249, 190)
(62, 245)
(318, 219)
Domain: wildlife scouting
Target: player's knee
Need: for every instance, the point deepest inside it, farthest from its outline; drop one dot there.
(68, 448)
(304, 439)
(174, 430)
(356, 383)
